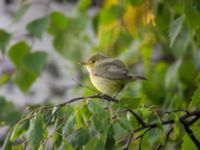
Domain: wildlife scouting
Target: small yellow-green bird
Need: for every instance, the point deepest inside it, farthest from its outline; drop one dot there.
(108, 75)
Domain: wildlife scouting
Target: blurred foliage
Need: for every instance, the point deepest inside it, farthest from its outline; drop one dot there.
(161, 38)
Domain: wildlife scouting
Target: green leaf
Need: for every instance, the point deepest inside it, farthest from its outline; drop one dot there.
(78, 118)
(110, 141)
(36, 133)
(70, 121)
(99, 123)
(68, 46)
(4, 40)
(129, 102)
(4, 79)
(96, 109)
(58, 23)
(79, 138)
(22, 10)
(18, 147)
(86, 114)
(175, 28)
(125, 123)
(192, 15)
(109, 15)
(7, 145)
(195, 103)
(38, 26)
(17, 52)
(67, 145)
(83, 5)
(35, 61)
(119, 131)
(177, 127)
(196, 56)
(100, 146)
(24, 79)
(161, 130)
(171, 77)
(135, 2)
(8, 113)
(57, 136)
(19, 129)
(91, 144)
(187, 143)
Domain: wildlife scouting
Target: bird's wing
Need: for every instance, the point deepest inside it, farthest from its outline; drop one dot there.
(112, 69)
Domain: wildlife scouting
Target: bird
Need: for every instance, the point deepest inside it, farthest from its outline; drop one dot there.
(109, 75)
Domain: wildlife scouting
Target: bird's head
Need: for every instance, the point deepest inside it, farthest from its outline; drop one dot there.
(94, 60)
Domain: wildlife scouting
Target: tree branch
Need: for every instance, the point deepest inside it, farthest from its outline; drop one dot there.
(191, 135)
(184, 119)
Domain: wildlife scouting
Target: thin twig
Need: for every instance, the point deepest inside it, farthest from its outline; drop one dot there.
(182, 119)
(98, 96)
(137, 117)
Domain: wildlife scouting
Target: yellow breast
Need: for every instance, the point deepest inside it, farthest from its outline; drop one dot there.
(107, 86)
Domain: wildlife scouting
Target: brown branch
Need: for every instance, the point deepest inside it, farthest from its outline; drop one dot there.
(98, 96)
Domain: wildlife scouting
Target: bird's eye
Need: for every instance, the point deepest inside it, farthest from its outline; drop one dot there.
(93, 61)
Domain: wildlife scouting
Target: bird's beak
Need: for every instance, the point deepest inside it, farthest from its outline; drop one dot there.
(83, 63)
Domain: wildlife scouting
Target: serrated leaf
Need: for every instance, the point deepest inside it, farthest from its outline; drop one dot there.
(17, 52)
(34, 62)
(22, 10)
(4, 40)
(37, 133)
(175, 28)
(38, 26)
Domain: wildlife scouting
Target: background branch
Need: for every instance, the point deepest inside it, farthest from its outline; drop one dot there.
(184, 119)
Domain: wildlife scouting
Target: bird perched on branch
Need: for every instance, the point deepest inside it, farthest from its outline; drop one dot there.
(109, 75)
